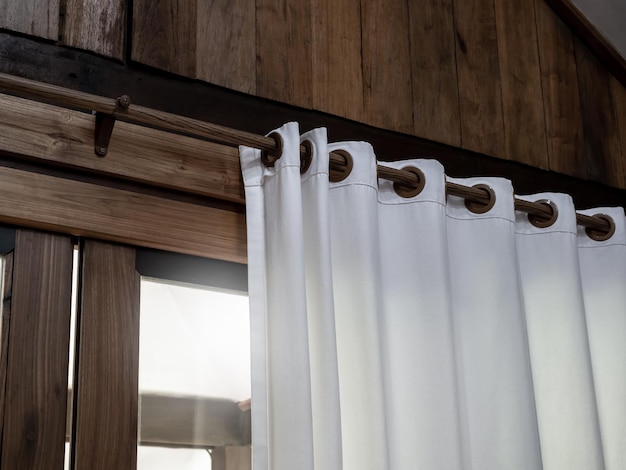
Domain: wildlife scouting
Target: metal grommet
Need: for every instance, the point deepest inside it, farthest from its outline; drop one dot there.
(482, 207)
(307, 157)
(270, 159)
(540, 221)
(336, 176)
(598, 235)
(407, 191)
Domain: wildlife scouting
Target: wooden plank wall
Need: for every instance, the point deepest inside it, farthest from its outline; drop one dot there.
(500, 77)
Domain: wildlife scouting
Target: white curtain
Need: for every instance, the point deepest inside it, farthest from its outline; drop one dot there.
(394, 333)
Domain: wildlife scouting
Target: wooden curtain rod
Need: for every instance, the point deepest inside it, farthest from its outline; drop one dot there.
(599, 226)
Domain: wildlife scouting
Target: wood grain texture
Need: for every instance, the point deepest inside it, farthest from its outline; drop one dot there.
(5, 323)
(336, 55)
(226, 43)
(108, 359)
(86, 209)
(283, 41)
(522, 98)
(387, 93)
(96, 26)
(433, 66)
(36, 394)
(480, 95)
(164, 35)
(601, 135)
(34, 17)
(618, 92)
(561, 100)
(137, 153)
(232, 458)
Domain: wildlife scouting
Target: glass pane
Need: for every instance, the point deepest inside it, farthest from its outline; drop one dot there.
(70, 369)
(194, 370)
(157, 458)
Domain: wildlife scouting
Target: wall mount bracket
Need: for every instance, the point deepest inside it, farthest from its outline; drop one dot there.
(105, 124)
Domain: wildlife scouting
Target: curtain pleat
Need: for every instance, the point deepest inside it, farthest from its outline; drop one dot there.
(357, 298)
(603, 273)
(497, 413)
(419, 371)
(557, 334)
(397, 333)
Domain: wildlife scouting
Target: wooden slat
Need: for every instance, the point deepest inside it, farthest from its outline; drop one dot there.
(283, 41)
(433, 66)
(5, 323)
(190, 421)
(387, 94)
(86, 209)
(108, 359)
(480, 96)
(231, 458)
(141, 154)
(522, 100)
(183, 421)
(164, 35)
(34, 420)
(619, 99)
(561, 105)
(96, 26)
(601, 137)
(35, 17)
(226, 47)
(337, 67)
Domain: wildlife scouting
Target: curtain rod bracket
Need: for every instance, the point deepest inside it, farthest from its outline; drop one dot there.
(104, 126)
(103, 131)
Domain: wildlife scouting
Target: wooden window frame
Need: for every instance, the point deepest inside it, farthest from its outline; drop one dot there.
(153, 190)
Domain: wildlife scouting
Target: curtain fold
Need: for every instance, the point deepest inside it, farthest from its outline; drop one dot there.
(407, 331)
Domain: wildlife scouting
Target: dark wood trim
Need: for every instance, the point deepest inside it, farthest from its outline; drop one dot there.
(106, 411)
(590, 35)
(167, 92)
(38, 351)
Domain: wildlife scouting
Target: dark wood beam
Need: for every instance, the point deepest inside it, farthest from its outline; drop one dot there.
(148, 87)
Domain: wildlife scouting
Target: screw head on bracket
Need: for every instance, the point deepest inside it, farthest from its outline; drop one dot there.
(101, 151)
(123, 101)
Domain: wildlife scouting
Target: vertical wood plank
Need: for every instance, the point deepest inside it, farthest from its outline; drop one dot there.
(601, 138)
(618, 90)
(336, 52)
(480, 95)
(108, 357)
(226, 43)
(433, 66)
(561, 104)
(96, 26)
(5, 317)
(36, 393)
(231, 458)
(283, 38)
(522, 98)
(164, 35)
(387, 94)
(35, 17)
